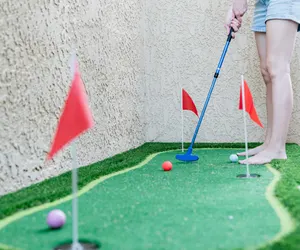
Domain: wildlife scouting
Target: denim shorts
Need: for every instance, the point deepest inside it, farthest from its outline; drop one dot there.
(275, 9)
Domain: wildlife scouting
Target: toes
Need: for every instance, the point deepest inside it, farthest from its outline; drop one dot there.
(242, 162)
(241, 154)
(256, 161)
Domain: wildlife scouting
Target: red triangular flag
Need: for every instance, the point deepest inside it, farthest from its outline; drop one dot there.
(188, 103)
(250, 108)
(76, 116)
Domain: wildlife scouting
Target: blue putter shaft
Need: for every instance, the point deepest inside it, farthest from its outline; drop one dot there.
(188, 156)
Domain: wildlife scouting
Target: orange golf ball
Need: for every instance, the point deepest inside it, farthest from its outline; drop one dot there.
(167, 166)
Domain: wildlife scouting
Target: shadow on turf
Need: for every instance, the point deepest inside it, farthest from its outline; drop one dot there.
(86, 245)
(47, 230)
(184, 163)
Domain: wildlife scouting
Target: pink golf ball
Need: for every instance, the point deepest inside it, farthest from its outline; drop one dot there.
(56, 219)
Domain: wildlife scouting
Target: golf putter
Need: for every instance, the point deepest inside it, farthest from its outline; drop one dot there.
(188, 156)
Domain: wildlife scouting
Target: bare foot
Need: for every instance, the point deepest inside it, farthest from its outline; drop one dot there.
(253, 151)
(265, 156)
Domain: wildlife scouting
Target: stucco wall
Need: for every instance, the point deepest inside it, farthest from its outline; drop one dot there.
(35, 47)
(184, 41)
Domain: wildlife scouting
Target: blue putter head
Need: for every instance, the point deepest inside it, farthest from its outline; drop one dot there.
(187, 156)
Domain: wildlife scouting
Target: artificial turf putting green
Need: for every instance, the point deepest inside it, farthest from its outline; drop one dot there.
(198, 205)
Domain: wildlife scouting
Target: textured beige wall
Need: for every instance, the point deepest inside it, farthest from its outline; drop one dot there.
(183, 44)
(35, 42)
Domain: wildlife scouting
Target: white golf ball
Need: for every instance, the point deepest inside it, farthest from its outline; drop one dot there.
(234, 158)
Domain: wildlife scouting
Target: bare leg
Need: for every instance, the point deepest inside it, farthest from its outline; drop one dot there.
(261, 43)
(281, 36)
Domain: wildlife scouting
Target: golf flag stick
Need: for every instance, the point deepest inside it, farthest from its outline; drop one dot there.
(182, 149)
(187, 103)
(75, 119)
(188, 155)
(75, 245)
(75, 241)
(247, 175)
(245, 124)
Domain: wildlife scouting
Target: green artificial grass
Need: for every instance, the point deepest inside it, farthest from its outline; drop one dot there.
(199, 205)
(58, 187)
(288, 193)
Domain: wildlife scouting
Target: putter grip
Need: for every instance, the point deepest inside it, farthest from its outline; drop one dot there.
(230, 34)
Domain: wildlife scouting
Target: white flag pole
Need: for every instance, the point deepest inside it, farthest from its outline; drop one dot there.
(75, 239)
(182, 148)
(245, 124)
(75, 245)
